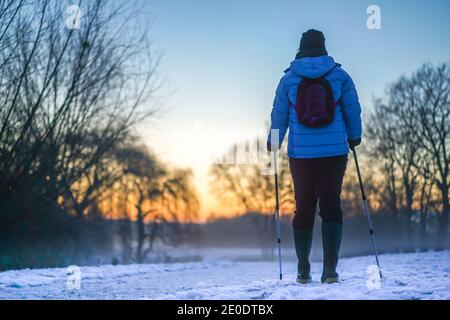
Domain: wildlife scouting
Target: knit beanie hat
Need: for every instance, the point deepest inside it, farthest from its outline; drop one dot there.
(312, 44)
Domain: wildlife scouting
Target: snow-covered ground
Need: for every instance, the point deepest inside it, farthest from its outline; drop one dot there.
(406, 276)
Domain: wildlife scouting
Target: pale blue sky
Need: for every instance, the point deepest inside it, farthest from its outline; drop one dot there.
(225, 58)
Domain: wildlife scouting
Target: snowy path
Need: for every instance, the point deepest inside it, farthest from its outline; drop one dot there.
(407, 276)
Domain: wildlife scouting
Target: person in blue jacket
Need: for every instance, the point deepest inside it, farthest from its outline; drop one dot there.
(317, 156)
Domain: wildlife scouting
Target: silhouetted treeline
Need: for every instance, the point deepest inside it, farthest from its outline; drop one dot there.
(241, 232)
(70, 98)
(155, 204)
(408, 141)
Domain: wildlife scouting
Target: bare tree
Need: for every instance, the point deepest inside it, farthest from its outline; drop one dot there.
(244, 187)
(72, 95)
(426, 95)
(410, 133)
(161, 200)
(69, 98)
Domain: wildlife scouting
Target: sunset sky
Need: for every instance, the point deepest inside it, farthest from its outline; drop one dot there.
(224, 59)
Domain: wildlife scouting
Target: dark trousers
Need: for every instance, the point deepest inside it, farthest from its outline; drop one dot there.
(317, 180)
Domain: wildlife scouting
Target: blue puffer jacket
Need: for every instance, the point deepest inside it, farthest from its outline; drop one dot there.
(328, 141)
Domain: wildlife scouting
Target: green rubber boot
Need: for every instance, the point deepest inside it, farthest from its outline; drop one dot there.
(331, 242)
(303, 241)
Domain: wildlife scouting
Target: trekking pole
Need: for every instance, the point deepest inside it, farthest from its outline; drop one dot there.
(366, 212)
(277, 213)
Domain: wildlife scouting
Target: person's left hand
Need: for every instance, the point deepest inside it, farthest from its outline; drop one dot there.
(354, 142)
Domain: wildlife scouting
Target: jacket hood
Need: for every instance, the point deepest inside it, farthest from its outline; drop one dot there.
(312, 67)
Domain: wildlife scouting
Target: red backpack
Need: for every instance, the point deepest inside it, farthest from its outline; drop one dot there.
(315, 104)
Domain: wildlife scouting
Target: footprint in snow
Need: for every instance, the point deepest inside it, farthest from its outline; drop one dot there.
(400, 283)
